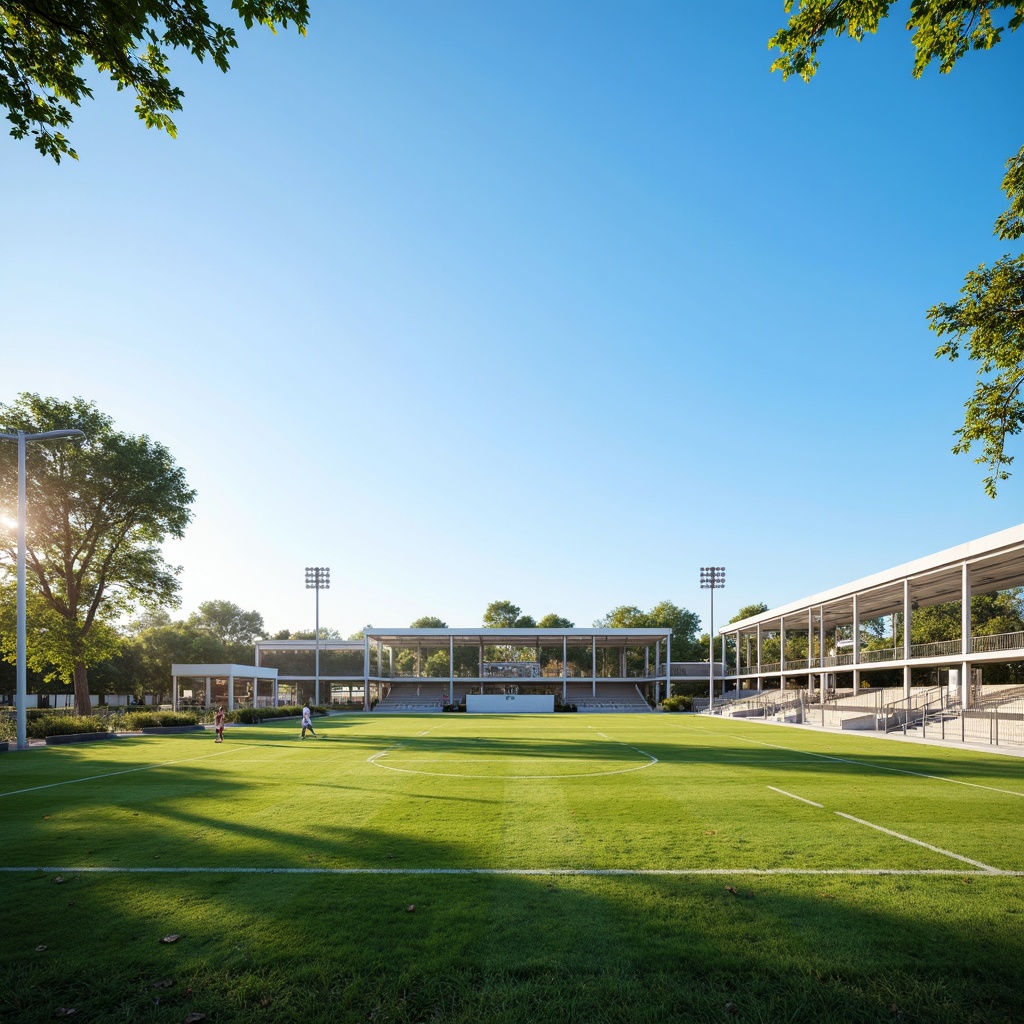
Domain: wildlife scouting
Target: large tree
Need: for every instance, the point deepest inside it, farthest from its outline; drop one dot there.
(98, 511)
(237, 629)
(48, 47)
(987, 322)
(683, 623)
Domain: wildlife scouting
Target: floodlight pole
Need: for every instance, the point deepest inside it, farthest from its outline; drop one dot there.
(21, 694)
(712, 577)
(318, 578)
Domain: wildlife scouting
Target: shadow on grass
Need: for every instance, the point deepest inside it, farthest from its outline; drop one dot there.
(483, 948)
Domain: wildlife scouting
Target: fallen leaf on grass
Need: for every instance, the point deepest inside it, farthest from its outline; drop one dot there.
(65, 1011)
(967, 881)
(170, 938)
(41, 949)
(266, 1001)
(732, 1008)
(711, 832)
(164, 983)
(59, 880)
(732, 889)
(194, 1018)
(46, 817)
(826, 895)
(411, 909)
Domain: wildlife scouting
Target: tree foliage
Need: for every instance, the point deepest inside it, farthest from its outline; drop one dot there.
(98, 511)
(683, 623)
(47, 45)
(236, 628)
(943, 30)
(988, 320)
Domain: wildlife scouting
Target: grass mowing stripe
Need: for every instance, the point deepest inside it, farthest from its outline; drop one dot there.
(124, 771)
(863, 764)
(793, 796)
(531, 872)
(909, 839)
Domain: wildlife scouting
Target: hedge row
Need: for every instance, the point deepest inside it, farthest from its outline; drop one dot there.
(65, 725)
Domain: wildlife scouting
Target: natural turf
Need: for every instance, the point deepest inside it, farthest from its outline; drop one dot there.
(411, 795)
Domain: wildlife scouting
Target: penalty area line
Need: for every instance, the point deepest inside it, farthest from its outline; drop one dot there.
(987, 868)
(514, 872)
(793, 796)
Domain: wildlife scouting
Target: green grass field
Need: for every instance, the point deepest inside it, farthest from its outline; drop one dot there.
(526, 868)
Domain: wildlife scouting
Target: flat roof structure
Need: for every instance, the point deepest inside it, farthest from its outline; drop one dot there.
(211, 675)
(830, 623)
(618, 649)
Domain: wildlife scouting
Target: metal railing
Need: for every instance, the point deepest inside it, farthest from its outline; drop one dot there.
(879, 654)
(939, 649)
(997, 642)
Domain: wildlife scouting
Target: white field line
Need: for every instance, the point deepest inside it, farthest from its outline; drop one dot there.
(522, 872)
(917, 842)
(895, 835)
(126, 771)
(793, 796)
(849, 760)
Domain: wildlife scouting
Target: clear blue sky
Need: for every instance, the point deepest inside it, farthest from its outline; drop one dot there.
(547, 302)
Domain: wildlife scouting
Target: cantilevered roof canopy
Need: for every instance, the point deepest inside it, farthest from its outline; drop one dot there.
(532, 637)
(995, 562)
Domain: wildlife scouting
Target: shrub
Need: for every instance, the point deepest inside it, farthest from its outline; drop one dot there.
(564, 707)
(678, 702)
(65, 725)
(454, 707)
(133, 721)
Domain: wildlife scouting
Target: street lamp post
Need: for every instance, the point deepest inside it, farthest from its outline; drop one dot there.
(318, 578)
(712, 577)
(21, 696)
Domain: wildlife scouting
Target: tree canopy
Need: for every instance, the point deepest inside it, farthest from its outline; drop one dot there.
(683, 623)
(98, 511)
(232, 625)
(45, 46)
(987, 322)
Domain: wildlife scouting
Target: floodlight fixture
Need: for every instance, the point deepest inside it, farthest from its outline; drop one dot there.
(21, 692)
(712, 577)
(318, 577)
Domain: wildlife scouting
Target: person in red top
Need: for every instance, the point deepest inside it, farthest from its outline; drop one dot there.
(219, 722)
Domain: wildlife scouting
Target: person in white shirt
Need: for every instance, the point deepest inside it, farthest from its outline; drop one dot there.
(307, 723)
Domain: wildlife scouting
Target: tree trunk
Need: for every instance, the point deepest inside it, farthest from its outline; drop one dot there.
(83, 706)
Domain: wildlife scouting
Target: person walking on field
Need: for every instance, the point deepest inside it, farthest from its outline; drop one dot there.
(219, 723)
(307, 723)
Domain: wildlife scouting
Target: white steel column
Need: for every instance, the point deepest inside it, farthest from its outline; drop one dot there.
(657, 671)
(668, 666)
(823, 676)
(810, 652)
(208, 691)
(174, 692)
(782, 652)
(722, 637)
(906, 638)
(593, 664)
(965, 633)
(231, 691)
(565, 669)
(856, 645)
(366, 672)
(760, 680)
(451, 670)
